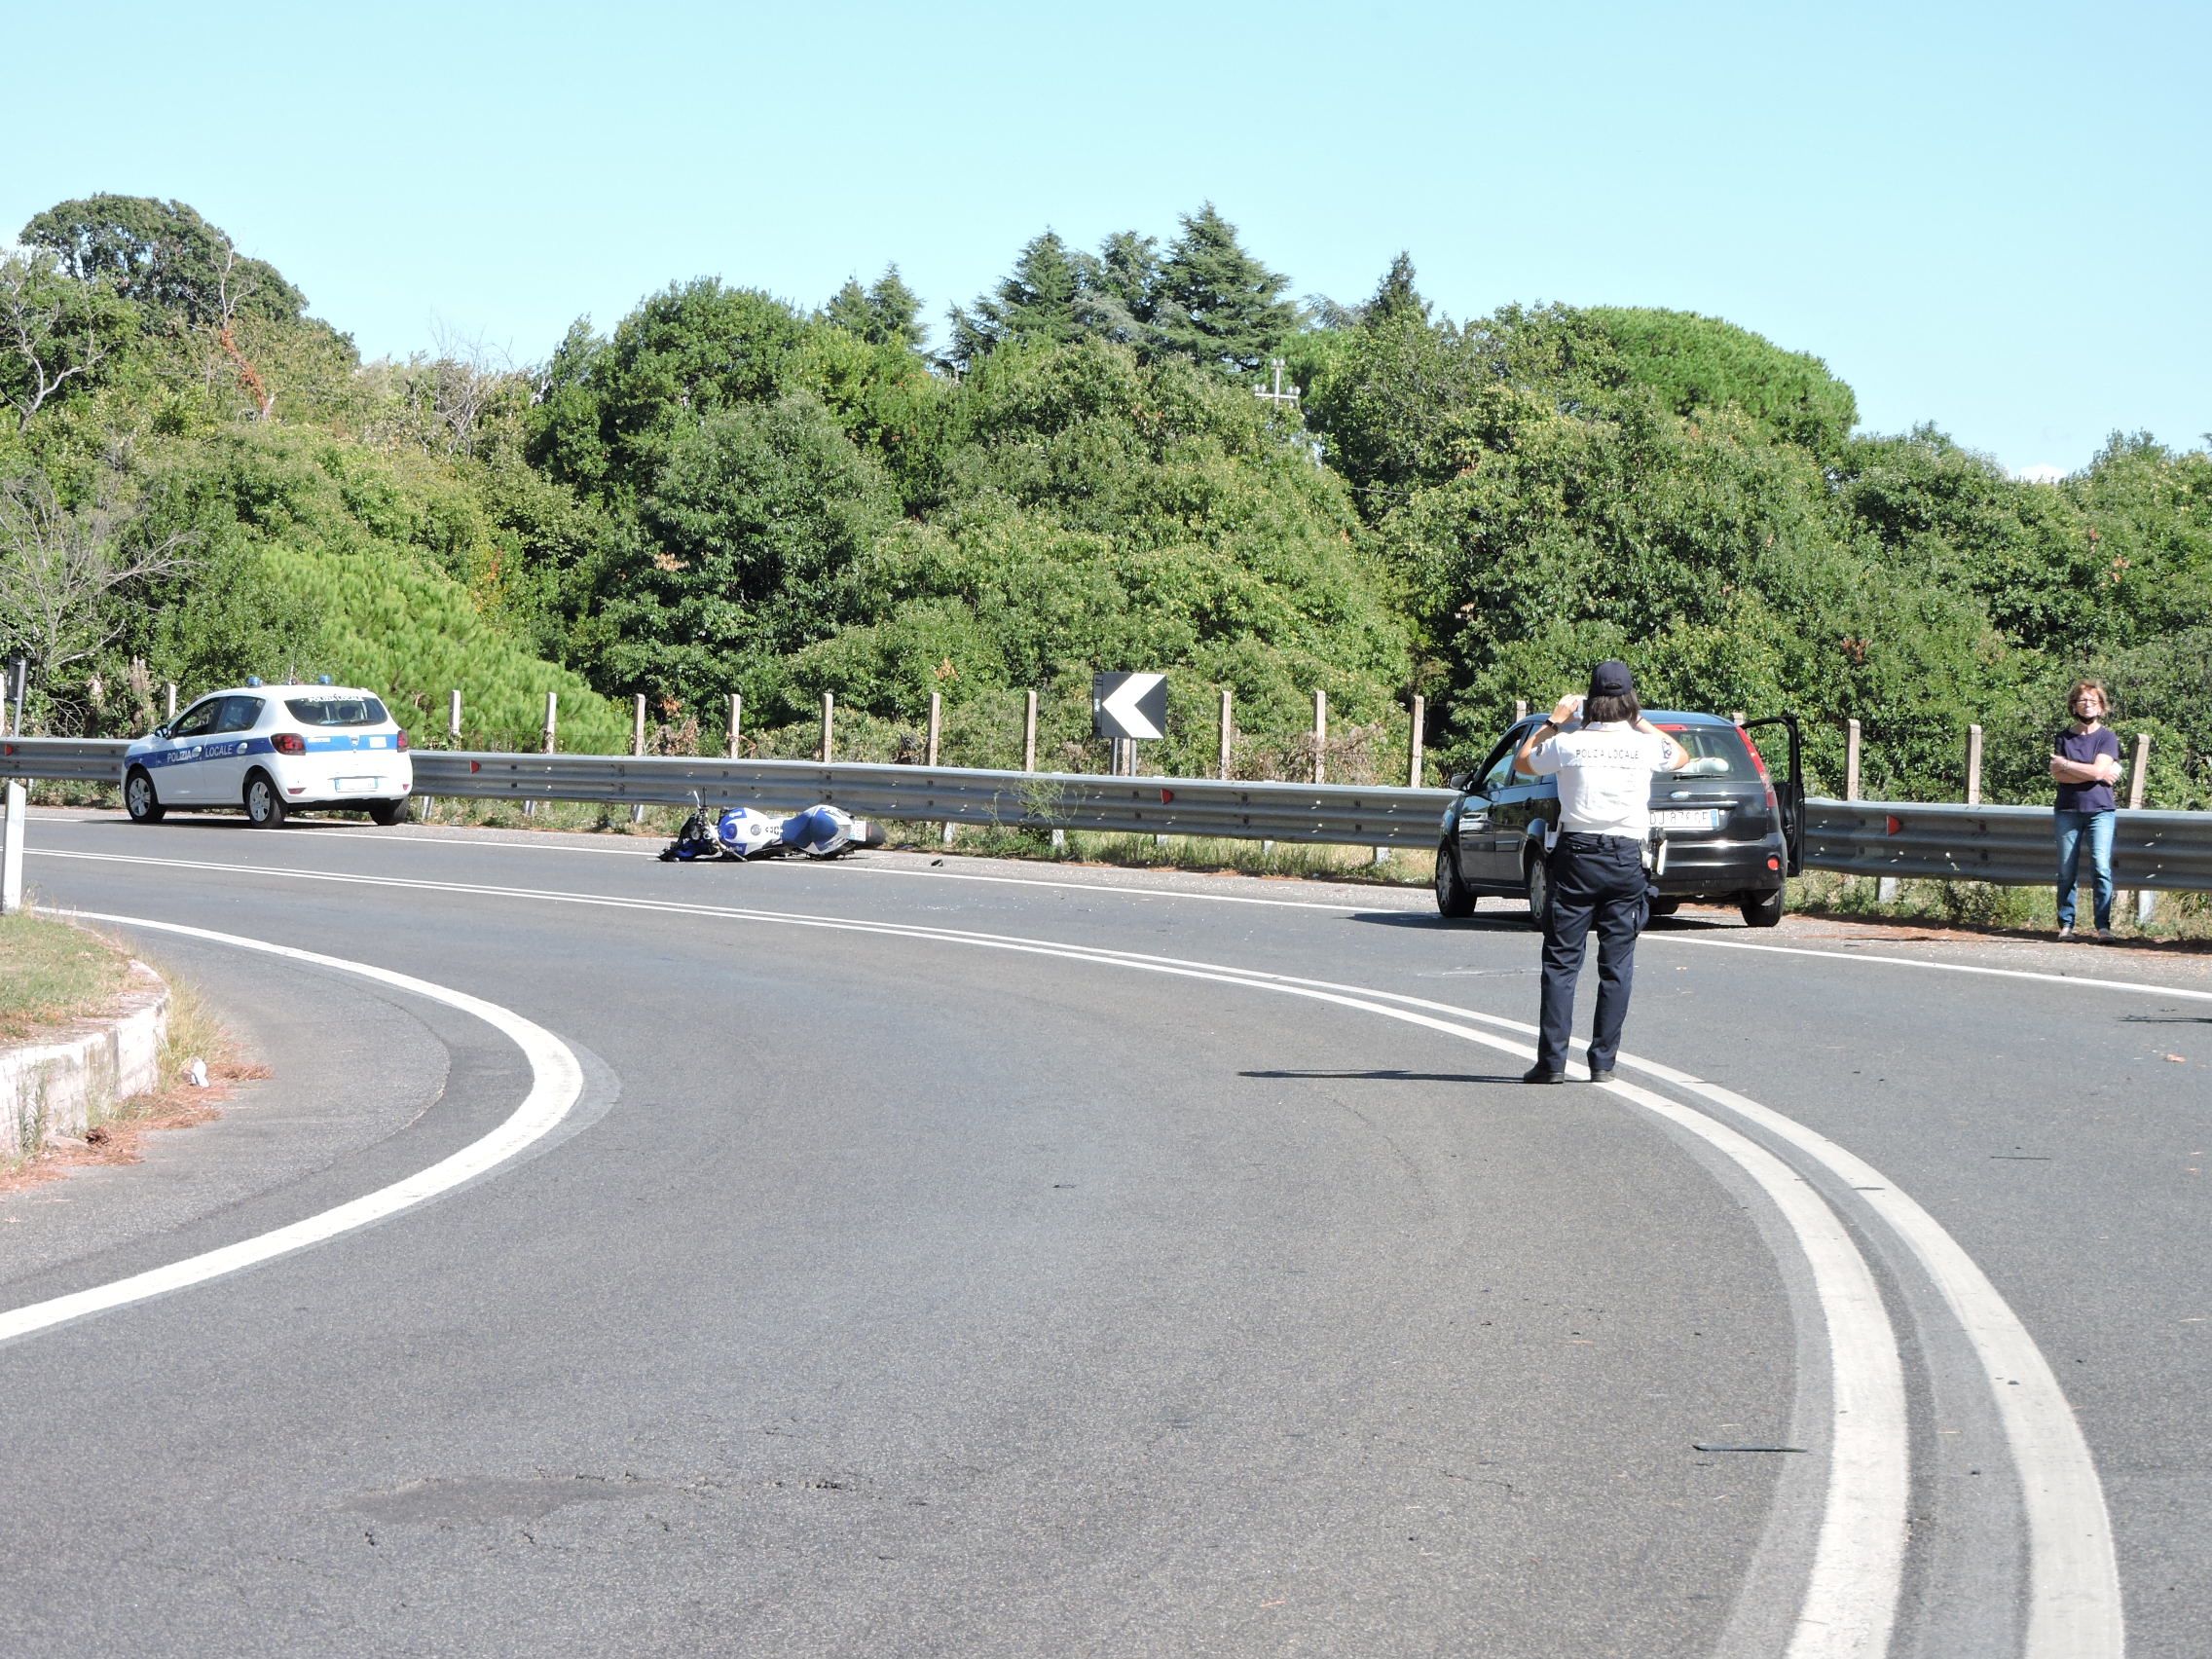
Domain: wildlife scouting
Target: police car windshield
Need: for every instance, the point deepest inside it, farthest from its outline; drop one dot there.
(337, 710)
(1716, 750)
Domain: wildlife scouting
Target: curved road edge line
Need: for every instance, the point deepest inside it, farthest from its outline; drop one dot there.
(557, 1083)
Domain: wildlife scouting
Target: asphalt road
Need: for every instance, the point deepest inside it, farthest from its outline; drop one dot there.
(997, 1262)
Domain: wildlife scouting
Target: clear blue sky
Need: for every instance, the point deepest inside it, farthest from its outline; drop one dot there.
(1993, 218)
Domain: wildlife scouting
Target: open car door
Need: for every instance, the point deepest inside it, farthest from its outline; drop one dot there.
(1788, 791)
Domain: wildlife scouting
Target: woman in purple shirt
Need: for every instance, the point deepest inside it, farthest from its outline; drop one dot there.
(2086, 762)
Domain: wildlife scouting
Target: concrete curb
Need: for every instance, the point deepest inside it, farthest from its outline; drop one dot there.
(49, 1089)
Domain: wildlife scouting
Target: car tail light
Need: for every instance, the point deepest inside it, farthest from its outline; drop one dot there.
(402, 742)
(288, 742)
(1773, 864)
(1758, 759)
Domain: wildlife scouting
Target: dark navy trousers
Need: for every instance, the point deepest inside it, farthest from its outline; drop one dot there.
(1597, 882)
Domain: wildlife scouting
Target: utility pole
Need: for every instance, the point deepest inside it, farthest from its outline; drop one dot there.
(1279, 398)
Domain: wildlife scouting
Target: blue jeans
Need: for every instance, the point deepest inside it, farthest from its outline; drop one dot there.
(2097, 827)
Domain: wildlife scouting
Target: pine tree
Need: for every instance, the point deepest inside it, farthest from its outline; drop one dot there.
(1115, 301)
(1036, 301)
(1215, 304)
(887, 312)
(1395, 297)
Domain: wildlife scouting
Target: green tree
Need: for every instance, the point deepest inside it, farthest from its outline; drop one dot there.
(612, 408)
(56, 334)
(162, 255)
(886, 313)
(1701, 362)
(738, 542)
(1036, 300)
(1215, 304)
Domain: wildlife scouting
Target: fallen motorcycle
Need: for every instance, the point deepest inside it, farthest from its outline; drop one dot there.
(736, 833)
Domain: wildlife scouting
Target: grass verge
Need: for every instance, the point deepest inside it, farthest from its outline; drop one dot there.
(52, 972)
(2182, 919)
(116, 1135)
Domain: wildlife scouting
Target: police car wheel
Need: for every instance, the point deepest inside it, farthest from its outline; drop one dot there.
(140, 799)
(1454, 899)
(388, 812)
(264, 807)
(1537, 881)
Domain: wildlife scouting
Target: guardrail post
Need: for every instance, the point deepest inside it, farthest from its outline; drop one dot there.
(1974, 765)
(736, 722)
(829, 726)
(12, 826)
(1228, 733)
(1851, 760)
(1320, 735)
(2146, 900)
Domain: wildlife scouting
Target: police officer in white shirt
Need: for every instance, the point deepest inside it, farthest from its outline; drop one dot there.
(1605, 760)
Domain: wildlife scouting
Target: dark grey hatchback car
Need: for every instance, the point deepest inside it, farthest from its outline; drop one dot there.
(1729, 831)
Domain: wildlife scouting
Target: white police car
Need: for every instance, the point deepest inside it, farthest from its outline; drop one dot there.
(272, 750)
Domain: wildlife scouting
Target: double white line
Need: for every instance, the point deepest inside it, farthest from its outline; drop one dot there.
(1852, 1591)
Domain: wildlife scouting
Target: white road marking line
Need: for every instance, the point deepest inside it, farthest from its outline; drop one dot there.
(2068, 979)
(557, 1083)
(1850, 1602)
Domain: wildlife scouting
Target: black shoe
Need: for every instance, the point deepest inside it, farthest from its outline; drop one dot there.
(1604, 1076)
(1542, 1074)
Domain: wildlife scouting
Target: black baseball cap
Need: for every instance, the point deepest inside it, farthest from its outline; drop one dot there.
(1611, 678)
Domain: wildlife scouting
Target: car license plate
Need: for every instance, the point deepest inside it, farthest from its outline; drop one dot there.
(355, 785)
(1708, 817)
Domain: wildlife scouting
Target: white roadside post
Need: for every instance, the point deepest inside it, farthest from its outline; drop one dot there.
(1029, 754)
(171, 690)
(1228, 733)
(1320, 736)
(1974, 765)
(2146, 898)
(14, 824)
(638, 749)
(736, 722)
(936, 737)
(552, 727)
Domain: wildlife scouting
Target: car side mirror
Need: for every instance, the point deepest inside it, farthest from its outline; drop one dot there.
(159, 731)
(1458, 781)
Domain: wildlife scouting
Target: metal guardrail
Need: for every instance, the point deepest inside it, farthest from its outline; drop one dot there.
(2008, 845)
(1345, 814)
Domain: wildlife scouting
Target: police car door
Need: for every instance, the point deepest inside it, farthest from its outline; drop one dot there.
(223, 766)
(178, 771)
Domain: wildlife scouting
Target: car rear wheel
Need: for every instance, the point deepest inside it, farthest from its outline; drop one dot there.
(1666, 906)
(1537, 881)
(140, 799)
(1453, 896)
(388, 812)
(1760, 910)
(265, 807)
